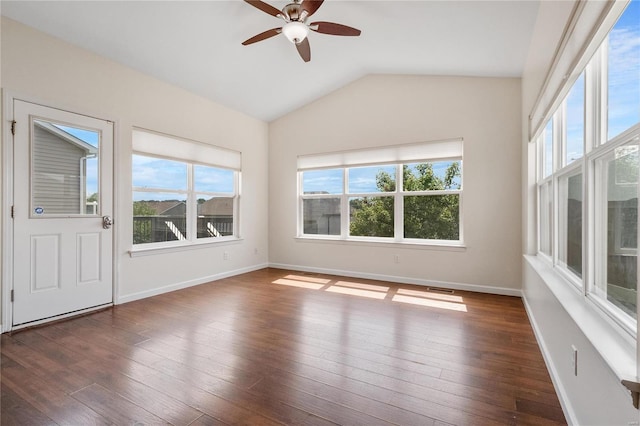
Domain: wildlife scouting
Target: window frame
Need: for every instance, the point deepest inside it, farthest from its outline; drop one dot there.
(398, 203)
(189, 153)
(191, 215)
(596, 147)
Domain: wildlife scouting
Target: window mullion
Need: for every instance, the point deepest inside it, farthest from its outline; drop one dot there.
(344, 205)
(398, 204)
(236, 204)
(192, 207)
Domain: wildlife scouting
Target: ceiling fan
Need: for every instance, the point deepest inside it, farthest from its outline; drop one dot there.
(296, 28)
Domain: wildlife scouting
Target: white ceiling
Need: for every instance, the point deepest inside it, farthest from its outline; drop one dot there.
(196, 45)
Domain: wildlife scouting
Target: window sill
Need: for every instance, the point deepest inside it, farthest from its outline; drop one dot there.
(148, 251)
(444, 246)
(616, 346)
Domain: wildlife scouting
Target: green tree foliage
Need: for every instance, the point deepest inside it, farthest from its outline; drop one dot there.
(142, 226)
(425, 216)
(141, 208)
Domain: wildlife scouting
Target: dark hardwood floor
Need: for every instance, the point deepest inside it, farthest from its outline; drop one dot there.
(282, 347)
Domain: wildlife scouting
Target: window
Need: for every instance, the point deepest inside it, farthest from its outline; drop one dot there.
(415, 200)
(588, 167)
(569, 222)
(546, 213)
(574, 122)
(623, 72)
(616, 219)
(178, 201)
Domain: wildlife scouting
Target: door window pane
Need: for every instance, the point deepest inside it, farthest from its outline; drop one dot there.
(575, 122)
(321, 216)
(159, 217)
(618, 229)
(371, 216)
(328, 181)
(215, 216)
(372, 179)
(623, 104)
(433, 217)
(570, 226)
(64, 168)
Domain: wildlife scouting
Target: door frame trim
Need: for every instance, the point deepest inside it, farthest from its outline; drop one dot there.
(6, 224)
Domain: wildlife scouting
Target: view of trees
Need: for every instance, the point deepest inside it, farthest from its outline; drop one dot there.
(425, 216)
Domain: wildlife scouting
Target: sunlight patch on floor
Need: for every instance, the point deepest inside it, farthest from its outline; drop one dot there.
(296, 283)
(357, 292)
(430, 295)
(308, 279)
(362, 286)
(426, 298)
(461, 307)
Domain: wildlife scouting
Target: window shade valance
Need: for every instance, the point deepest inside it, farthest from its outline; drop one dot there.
(451, 148)
(181, 149)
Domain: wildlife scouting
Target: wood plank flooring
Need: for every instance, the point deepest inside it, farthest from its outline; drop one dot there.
(276, 347)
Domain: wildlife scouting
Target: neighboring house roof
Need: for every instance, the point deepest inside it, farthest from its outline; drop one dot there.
(68, 137)
(162, 207)
(211, 207)
(217, 207)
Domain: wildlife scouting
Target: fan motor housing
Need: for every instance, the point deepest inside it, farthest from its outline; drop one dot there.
(292, 11)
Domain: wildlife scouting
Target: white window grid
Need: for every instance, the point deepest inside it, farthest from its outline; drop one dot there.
(398, 214)
(596, 146)
(191, 195)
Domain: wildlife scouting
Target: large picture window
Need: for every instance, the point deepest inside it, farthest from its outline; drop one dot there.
(178, 201)
(588, 167)
(417, 200)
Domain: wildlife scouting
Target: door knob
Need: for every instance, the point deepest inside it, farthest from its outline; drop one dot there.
(107, 222)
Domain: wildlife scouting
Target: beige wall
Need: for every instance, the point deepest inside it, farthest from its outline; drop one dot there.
(60, 75)
(384, 110)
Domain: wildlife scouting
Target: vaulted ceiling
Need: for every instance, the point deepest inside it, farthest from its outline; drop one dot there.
(196, 45)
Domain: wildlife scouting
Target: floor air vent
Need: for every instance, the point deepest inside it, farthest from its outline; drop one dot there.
(440, 290)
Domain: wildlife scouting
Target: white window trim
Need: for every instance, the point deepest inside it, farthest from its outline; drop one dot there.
(398, 196)
(191, 153)
(595, 214)
(396, 155)
(573, 169)
(596, 145)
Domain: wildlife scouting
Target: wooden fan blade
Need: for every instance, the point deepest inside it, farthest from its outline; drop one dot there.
(267, 8)
(311, 6)
(334, 29)
(263, 36)
(304, 49)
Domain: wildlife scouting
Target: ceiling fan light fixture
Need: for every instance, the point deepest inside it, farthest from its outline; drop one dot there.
(295, 31)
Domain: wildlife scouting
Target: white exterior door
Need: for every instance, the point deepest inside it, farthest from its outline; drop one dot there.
(62, 249)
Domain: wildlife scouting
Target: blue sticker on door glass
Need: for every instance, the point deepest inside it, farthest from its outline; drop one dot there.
(38, 210)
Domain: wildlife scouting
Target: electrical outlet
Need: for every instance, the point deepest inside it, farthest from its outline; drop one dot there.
(225, 255)
(574, 360)
(396, 258)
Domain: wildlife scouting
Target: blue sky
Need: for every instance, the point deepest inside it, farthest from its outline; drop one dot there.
(575, 121)
(150, 172)
(624, 71)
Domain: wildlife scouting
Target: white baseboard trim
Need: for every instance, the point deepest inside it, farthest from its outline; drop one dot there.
(403, 280)
(567, 408)
(185, 284)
